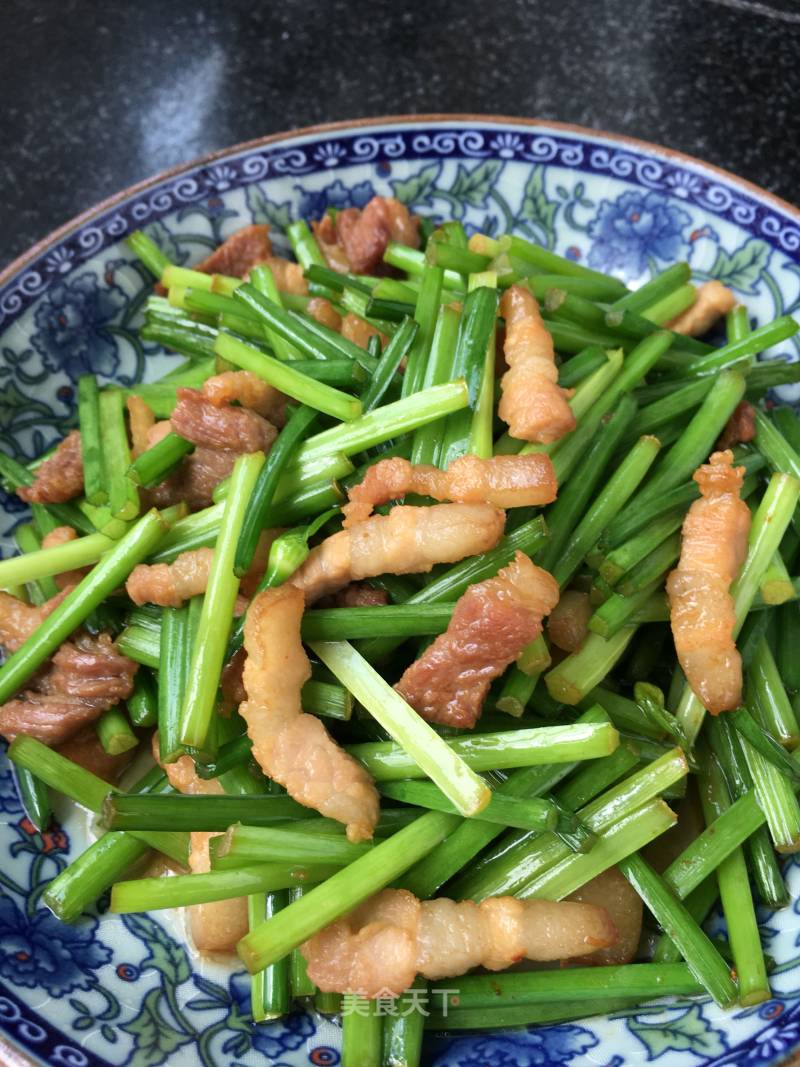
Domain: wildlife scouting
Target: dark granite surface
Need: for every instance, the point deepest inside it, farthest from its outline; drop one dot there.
(98, 95)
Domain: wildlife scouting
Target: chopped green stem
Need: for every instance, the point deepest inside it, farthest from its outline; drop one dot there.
(413, 262)
(734, 889)
(115, 732)
(179, 628)
(418, 743)
(306, 250)
(608, 502)
(362, 1032)
(654, 565)
(95, 483)
(476, 327)
(534, 813)
(399, 348)
(34, 796)
(85, 788)
(143, 701)
(44, 562)
(183, 890)
(654, 290)
(618, 610)
(669, 307)
(283, 376)
(344, 890)
(384, 423)
(145, 249)
(269, 994)
(258, 514)
(550, 263)
(425, 315)
(736, 352)
(572, 501)
(388, 762)
(90, 592)
(695, 444)
(468, 837)
(244, 846)
(212, 631)
(153, 466)
(776, 713)
(702, 958)
(579, 672)
(123, 496)
(758, 735)
(438, 368)
(393, 620)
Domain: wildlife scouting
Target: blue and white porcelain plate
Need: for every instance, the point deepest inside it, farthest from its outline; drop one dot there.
(126, 990)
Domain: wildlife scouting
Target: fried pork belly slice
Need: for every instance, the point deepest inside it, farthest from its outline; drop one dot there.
(569, 620)
(491, 625)
(612, 890)
(359, 331)
(289, 276)
(391, 938)
(248, 390)
(215, 927)
(358, 238)
(740, 427)
(59, 478)
(239, 253)
(713, 548)
(532, 403)
(18, 620)
(141, 420)
(505, 481)
(325, 233)
(324, 312)
(62, 535)
(170, 584)
(409, 540)
(714, 300)
(221, 427)
(86, 677)
(291, 747)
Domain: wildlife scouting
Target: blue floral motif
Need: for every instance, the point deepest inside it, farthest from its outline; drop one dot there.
(270, 1039)
(314, 203)
(635, 226)
(537, 1048)
(9, 801)
(776, 1041)
(42, 951)
(71, 327)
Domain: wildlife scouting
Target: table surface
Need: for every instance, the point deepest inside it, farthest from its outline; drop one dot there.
(97, 96)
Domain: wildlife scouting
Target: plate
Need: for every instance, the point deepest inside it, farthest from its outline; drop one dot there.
(117, 990)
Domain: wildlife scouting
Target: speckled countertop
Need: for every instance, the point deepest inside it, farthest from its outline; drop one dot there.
(96, 96)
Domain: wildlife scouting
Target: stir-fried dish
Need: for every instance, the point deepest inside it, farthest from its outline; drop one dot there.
(434, 614)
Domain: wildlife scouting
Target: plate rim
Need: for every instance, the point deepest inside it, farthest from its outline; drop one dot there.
(11, 1054)
(650, 147)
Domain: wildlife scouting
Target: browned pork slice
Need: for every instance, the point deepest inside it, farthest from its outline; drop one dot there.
(59, 478)
(85, 677)
(244, 249)
(491, 624)
(391, 938)
(568, 624)
(357, 239)
(250, 391)
(612, 890)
